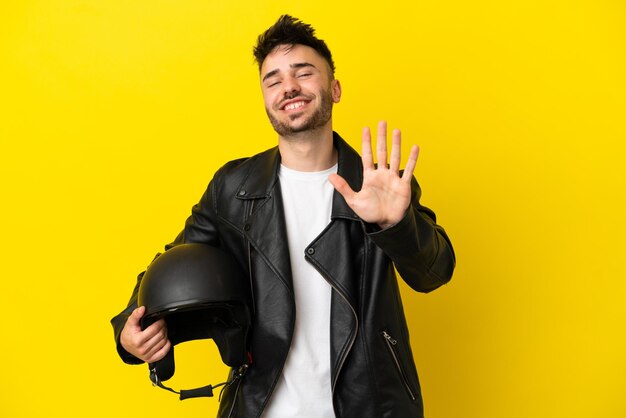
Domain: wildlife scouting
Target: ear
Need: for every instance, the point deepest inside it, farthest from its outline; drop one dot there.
(336, 90)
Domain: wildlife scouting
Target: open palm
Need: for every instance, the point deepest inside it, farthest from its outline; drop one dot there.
(385, 194)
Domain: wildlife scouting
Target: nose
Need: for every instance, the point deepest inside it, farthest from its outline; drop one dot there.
(291, 87)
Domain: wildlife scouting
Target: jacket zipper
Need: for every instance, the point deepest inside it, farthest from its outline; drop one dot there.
(232, 406)
(345, 353)
(356, 320)
(391, 345)
(248, 214)
(356, 317)
(246, 226)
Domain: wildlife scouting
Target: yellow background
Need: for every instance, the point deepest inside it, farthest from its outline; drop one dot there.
(115, 114)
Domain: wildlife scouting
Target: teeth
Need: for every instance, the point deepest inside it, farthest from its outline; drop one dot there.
(295, 105)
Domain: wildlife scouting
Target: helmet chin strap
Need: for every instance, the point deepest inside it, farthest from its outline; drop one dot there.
(205, 391)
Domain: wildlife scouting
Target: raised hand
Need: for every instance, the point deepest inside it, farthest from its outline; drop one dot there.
(385, 195)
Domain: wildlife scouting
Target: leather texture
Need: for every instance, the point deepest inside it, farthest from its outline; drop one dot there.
(373, 372)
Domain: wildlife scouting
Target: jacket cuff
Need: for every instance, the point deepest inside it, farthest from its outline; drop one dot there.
(118, 324)
(126, 356)
(399, 234)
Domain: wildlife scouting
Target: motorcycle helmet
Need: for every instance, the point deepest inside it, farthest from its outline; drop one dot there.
(201, 293)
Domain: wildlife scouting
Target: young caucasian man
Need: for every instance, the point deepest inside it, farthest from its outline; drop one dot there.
(319, 229)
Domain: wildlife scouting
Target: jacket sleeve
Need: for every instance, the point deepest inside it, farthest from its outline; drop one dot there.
(419, 248)
(201, 226)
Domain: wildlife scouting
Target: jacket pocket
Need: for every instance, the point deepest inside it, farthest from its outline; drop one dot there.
(392, 347)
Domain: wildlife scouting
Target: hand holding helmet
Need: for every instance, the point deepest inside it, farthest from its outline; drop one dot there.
(192, 291)
(149, 345)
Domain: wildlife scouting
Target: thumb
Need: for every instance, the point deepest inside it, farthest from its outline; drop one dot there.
(341, 186)
(136, 315)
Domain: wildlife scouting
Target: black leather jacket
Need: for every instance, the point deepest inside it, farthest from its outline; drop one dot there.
(372, 368)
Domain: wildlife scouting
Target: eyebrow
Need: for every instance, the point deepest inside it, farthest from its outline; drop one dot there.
(295, 65)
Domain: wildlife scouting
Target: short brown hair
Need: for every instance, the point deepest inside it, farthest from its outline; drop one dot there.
(290, 31)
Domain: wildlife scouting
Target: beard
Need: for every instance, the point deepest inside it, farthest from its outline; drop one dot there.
(319, 118)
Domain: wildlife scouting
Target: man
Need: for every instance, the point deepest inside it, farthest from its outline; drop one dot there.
(319, 230)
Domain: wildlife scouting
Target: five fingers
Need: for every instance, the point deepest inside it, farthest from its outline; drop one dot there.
(381, 151)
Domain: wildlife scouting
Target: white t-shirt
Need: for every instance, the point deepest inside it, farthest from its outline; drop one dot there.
(304, 388)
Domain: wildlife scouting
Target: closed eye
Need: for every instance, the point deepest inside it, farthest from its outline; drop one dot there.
(271, 82)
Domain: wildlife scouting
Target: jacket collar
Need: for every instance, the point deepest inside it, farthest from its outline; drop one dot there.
(264, 176)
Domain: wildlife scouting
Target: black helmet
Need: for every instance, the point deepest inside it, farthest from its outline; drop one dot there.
(201, 293)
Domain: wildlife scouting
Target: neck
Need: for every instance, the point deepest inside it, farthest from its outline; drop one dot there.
(308, 151)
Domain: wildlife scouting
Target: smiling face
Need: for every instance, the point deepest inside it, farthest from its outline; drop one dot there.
(298, 90)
